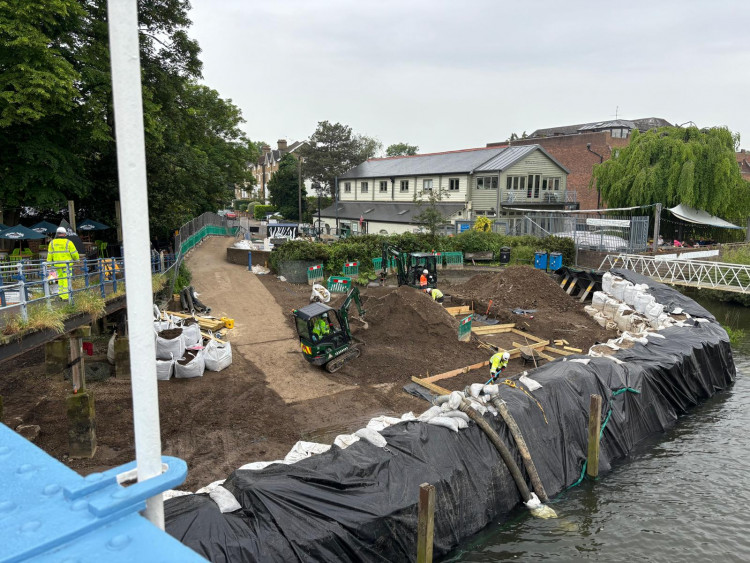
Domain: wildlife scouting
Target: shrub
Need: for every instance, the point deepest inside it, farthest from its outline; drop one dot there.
(260, 211)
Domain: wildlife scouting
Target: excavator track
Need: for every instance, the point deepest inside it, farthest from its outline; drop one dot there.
(337, 363)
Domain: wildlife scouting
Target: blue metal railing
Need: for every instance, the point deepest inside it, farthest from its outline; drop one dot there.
(26, 282)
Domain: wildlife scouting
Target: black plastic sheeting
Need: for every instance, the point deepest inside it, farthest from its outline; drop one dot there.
(360, 504)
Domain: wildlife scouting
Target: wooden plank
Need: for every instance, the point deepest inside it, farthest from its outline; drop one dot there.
(571, 349)
(492, 329)
(459, 309)
(527, 335)
(453, 373)
(208, 323)
(431, 386)
(545, 356)
(212, 337)
(536, 346)
(557, 351)
(425, 523)
(490, 332)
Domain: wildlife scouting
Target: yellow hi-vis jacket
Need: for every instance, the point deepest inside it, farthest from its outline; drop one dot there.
(497, 363)
(436, 294)
(62, 250)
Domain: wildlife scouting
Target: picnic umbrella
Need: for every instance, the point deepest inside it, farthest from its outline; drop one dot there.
(44, 227)
(3, 226)
(19, 233)
(91, 225)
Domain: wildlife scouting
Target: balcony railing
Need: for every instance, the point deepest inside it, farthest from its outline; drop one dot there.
(521, 197)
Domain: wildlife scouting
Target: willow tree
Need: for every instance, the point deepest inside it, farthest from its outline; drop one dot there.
(672, 165)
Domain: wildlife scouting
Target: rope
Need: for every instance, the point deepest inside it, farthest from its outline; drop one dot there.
(604, 425)
(513, 384)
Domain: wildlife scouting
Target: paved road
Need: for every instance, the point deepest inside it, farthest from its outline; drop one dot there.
(261, 333)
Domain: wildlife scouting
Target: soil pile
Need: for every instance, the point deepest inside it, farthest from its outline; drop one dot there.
(556, 315)
(409, 335)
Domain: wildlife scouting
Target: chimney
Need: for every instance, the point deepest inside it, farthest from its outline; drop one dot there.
(265, 149)
(282, 144)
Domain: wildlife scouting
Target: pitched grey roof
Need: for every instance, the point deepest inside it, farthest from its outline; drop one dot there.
(511, 155)
(423, 164)
(643, 124)
(385, 212)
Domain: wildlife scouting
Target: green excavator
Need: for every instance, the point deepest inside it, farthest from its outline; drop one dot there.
(324, 332)
(409, 266)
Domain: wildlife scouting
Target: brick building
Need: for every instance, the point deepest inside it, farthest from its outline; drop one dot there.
(743, 159)
(268, 163)
(568, 144)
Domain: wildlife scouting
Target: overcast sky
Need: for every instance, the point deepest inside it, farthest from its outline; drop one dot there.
(446, 75)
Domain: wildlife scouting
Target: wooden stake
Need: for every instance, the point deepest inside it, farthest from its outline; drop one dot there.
(571, 349)
(595, 423)
(426, 524)
(77, 371)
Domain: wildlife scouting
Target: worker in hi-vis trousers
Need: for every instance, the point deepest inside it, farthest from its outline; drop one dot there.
(60, 252)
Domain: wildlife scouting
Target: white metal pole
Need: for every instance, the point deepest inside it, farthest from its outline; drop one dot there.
(131, 165)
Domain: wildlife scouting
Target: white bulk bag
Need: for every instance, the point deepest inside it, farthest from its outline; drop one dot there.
(607, 282)
(598, 300)
(191, 364)
(628, 295)
(618, 289)
(623, 317)
(111, 349)
(601, 319)
(168, 348)
(654, 310)
(320, 294)
(191, 334)
(218, 355)
(164, 369)
(610, 308)
(591, 311)
(642, 301)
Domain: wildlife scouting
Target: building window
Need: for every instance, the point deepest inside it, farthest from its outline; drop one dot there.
(383, 186)
(404, 185)
(363, 187)
(453, 184)
(426, 185)
(485, 212)
(516, 183)
(532, 187)
(550, 184)
(486, 182)
(347, 187)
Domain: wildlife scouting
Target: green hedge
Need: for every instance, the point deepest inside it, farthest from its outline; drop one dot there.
(366, 247)
(260, 211)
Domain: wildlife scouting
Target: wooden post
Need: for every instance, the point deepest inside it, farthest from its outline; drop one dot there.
(747, 227)
(595, 423)
(72, 214)
(77, 369)
(119, 221)
(657, 224)
(426, 525)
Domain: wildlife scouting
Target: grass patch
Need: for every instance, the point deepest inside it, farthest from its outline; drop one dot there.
(736, 335)
(158, 282)
(40, 317)
(89, 302)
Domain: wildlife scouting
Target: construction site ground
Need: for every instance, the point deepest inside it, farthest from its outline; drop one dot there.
(271, 397)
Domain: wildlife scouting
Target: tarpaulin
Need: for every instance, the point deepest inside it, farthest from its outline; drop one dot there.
(360, 503)
(692, 215)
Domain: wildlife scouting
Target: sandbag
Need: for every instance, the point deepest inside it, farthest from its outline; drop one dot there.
(601, 319)
(618, 289)
(599, 299)
(447, 422)
(607, 279)
(591, 311)
(218, 355)
(164, 369)
(320, 294)
(190, 365)
(111, 349)
(191, 333)
(169, 344)
(642, 301)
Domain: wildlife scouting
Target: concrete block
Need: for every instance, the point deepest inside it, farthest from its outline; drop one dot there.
(56, 356)
(81, 424)
(122, 358)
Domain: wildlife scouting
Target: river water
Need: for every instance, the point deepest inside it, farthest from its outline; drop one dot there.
(680, 496)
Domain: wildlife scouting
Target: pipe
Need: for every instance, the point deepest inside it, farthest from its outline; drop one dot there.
(131, 168)
(510, 463)
(528, 463)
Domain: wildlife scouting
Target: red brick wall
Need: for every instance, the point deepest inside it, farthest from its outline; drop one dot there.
(743, 159)
(571, 152)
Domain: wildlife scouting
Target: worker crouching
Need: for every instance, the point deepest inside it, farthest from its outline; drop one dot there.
(498, 363)
(435, 293)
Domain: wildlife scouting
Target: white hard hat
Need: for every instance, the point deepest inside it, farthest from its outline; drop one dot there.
(62, 231)
(425, 272)
(506, 356)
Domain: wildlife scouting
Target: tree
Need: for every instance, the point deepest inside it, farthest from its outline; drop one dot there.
(673, 165)
(430, 216)
(401, 149)
(483, 224)
(283, 189)
(332, 150)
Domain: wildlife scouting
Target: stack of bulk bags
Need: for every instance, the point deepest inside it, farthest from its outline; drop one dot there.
(642, 302)
(169, 345)
(618, 289)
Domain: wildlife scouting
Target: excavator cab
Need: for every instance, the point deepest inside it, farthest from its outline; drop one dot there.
(423, 261)
(409, 266)
(324, 334)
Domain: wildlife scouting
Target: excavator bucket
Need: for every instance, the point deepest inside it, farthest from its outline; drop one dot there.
(365, 324)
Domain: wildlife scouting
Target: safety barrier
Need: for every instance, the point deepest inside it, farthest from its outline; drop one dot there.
(377, 264)
(315, 274)
(464, 328)
(351, 269)
(339, 284)
(454, 260)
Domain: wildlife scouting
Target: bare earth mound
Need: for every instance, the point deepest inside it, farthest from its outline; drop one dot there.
(557, 315)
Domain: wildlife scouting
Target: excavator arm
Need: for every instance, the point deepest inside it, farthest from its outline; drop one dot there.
(353, 295)
(390, 251)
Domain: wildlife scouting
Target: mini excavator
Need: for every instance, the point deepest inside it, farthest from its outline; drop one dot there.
(325, 335)
(409, 266)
